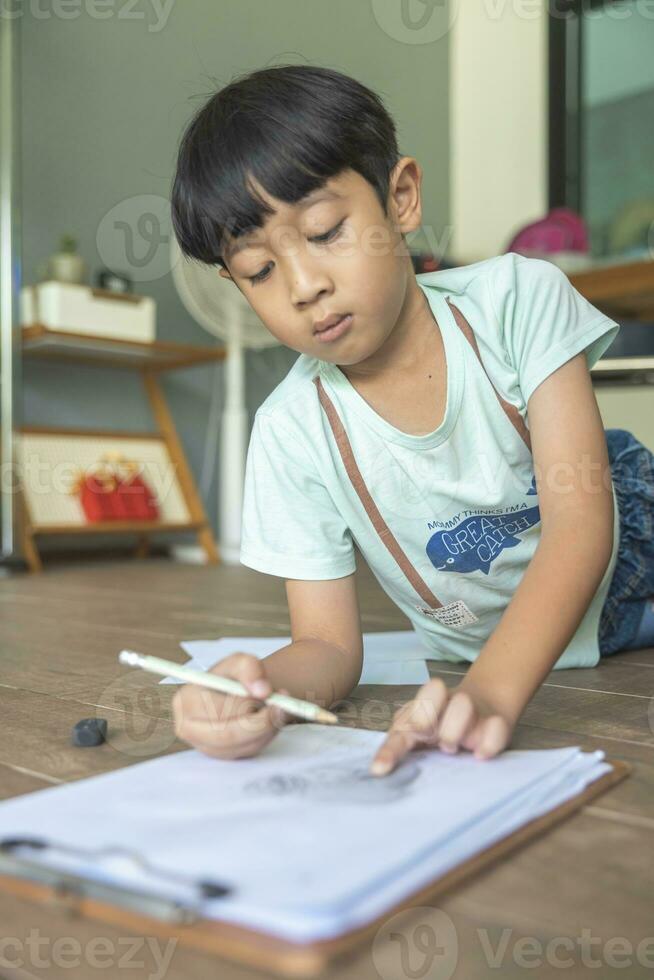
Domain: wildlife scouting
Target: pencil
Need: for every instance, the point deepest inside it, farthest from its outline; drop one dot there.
(168, 668)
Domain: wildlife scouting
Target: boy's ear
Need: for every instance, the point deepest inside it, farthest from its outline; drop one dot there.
(224, 273)
(405, 194)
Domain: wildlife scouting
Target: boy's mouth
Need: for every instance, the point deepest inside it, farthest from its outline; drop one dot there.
(329, 321)
(333, 326)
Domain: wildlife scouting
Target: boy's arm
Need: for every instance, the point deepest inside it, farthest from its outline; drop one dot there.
(324, 661)
(575, 500)
(322, 664)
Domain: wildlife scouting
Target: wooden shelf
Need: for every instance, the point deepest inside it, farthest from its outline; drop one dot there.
(113, 527)
(619, 288)
(148, 359)
(624, 365)
(623, 371)
(63, 345)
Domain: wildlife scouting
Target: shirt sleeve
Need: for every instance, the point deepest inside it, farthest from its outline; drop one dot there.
(291, 526)
(543, 320)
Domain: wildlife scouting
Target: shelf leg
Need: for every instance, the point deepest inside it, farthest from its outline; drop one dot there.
(25, 535)
(167, 429)
(142, 547)
(207, 541)
(31, 553)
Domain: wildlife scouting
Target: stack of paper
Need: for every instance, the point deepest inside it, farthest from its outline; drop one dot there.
(310, 843)
(396, 657)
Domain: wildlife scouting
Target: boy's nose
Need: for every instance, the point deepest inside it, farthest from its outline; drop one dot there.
(309, 283)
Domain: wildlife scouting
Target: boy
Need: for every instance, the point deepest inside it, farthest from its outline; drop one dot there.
(402, 426)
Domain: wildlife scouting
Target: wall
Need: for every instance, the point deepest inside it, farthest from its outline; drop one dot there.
(628, 406)
(104, 102)
(498, 134)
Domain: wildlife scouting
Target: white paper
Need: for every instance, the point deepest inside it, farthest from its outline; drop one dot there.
(392, 672)
(311, 843)
(394, 657)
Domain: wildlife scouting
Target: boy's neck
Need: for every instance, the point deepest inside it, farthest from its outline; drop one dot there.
(407, 348)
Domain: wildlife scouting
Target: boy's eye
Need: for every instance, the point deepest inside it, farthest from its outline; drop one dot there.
(259, 276)
(327, 237)
(320, 239)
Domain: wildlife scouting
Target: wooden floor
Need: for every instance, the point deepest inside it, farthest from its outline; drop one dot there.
(591, 876)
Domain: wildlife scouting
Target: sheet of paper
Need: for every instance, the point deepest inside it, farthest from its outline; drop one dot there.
(394, 657)
(395, 644)
(265, 825)
(394, 672)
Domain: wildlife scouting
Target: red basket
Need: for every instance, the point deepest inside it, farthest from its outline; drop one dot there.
(113, 490)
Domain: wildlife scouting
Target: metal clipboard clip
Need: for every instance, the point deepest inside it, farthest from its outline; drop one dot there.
(69, 888)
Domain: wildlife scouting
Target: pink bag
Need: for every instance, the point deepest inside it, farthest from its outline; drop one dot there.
(561, 230)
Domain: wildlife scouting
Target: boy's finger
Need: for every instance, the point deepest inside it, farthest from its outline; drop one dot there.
(247, 669)
(416, 722)
(419, 718)
(232, 744)
(494, 737)
(225, 731)
(458, 720)
(392, 750)
(423, 713)
(205, 704)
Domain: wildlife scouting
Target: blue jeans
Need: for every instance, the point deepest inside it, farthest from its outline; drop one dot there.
(632, 466)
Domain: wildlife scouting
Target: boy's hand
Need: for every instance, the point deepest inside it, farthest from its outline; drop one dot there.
(226, 726)
(446, 719)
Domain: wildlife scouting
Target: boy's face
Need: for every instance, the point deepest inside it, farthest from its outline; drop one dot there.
(334, 253)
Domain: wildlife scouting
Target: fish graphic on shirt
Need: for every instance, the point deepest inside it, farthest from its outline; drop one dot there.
(474, 543)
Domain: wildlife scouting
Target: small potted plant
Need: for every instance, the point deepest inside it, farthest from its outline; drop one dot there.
(66, 265)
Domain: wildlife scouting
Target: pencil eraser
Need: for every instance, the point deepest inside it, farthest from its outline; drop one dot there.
(89, 731)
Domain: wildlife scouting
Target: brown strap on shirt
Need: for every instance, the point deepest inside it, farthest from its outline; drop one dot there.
(354, 473)
(378, 522)
(512, 413)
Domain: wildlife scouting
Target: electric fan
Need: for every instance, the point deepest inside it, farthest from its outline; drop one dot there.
(218, 306)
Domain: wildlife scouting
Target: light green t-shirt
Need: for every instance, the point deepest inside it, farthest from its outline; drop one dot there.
(461, 500)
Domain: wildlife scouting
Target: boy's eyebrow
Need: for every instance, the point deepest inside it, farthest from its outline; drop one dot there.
(320, 194)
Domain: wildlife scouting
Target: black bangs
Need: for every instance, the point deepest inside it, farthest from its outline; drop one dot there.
(291, 128)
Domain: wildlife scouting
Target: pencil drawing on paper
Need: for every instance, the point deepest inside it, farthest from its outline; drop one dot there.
(339, 783)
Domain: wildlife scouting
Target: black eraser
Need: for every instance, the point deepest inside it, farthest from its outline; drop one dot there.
(90, 731)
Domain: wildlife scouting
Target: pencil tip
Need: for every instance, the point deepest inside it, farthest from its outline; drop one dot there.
(327, 717)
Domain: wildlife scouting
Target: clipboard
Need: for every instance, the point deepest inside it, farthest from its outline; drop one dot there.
(166, 919)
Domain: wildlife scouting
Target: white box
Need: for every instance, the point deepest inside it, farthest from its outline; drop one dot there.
(86, 310)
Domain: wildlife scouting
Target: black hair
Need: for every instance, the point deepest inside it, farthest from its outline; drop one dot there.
(291, 127)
